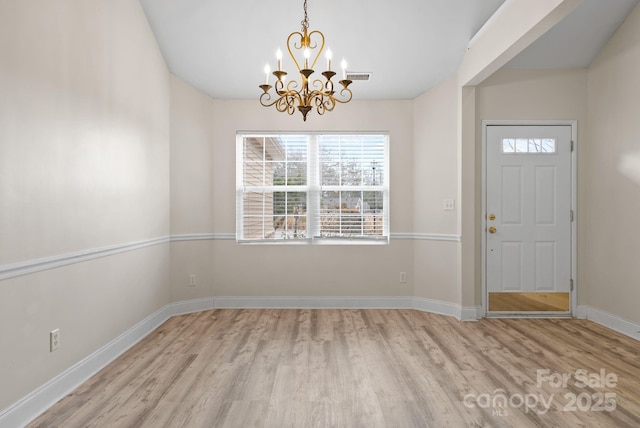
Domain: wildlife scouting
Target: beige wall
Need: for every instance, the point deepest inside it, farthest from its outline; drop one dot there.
(304, 270)
(191, 190)
(435, 179)
(191, 159)
(84, 164)
(435, 121)
(612, 236)
(423, 166)
(230, 269)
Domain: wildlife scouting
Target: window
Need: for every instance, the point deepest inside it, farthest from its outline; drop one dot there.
(528, 145)
(312, 188)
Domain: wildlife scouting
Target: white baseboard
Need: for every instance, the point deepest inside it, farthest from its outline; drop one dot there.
(473, 313)
(300, 302)
(581, 312)
(191, 306)
(436, 307)
(446, 308)
(614, 322)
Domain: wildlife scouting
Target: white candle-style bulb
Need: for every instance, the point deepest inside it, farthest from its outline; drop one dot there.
(329, 55)
(267, 69)
(343, 64)
(307, 54)
(279, 58)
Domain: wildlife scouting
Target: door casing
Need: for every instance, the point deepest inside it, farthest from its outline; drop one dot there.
(483, 225)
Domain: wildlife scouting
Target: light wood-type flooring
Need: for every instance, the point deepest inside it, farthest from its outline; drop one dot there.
(362, 368)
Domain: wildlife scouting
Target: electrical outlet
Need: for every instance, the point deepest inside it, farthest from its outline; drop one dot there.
(403, 277)
(449, 205)
(54, 340)
(192, 280)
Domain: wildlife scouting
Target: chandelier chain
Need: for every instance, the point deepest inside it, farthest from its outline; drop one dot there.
(305, 21)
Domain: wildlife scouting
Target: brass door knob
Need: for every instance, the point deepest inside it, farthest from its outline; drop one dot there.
(492, 229)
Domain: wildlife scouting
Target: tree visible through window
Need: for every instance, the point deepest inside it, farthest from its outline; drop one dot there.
(312, 187)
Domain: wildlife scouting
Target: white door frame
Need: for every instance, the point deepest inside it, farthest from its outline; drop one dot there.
(574, 203)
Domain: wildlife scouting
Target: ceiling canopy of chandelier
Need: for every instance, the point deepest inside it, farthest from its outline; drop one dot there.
(305, 48)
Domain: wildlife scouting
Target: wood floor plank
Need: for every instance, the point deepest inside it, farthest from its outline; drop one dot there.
(359, 368)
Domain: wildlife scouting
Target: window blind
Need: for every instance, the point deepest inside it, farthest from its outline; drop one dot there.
(312, 188)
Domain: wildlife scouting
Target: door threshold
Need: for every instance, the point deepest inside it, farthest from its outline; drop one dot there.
(529, 315)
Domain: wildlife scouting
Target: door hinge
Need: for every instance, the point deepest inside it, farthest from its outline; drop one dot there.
(571, 215)
(571, 284)
(571, 145)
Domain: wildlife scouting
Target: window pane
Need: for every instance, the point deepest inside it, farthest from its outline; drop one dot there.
(329, 152)
(295, 150)
(351, 213)
(508, 145)
(352, 160)
(272, 149)
(548, 145)
(257, 207)
(275, 215)
(290, 215)
(334, 207)
(374, 160)
(253, 168)
(296, 173)
(295, 147)
(373, 209)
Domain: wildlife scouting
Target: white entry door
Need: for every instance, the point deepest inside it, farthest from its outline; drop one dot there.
(528, 235)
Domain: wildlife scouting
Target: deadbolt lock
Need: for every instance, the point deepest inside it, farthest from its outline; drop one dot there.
(492, 229)
(492, 216)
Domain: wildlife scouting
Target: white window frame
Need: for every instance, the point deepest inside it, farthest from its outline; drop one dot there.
(313, 189)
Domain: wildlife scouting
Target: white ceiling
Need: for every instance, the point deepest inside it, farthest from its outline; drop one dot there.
(221, 47)
(577, 39)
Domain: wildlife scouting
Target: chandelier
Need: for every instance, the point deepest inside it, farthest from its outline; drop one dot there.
(308, 93)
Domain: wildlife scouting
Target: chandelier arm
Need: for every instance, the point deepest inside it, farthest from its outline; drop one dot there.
(328, 86)
(346, 98)
(318, 84)
(286, 104)
(295, 46)
(330, 104)
(267, 96)
(293, 93)
(291, 85)
(314, 46)
(324, 103)
(320, 107)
